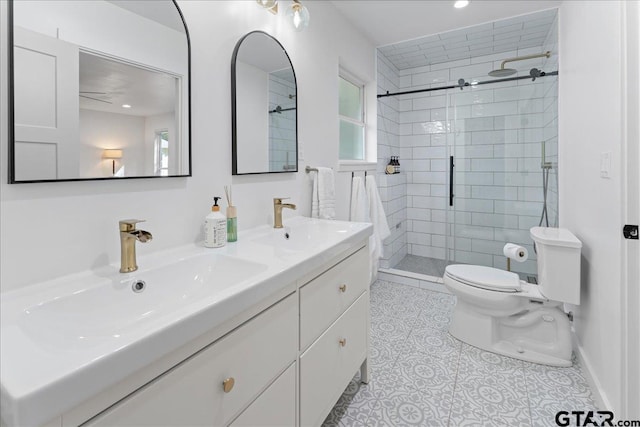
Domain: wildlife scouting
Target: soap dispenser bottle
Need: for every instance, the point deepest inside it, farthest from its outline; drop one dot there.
(215, 227)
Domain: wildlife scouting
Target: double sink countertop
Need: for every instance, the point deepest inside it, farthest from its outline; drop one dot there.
(68, 339)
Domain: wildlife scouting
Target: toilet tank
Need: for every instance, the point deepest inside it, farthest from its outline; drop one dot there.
(558, 252)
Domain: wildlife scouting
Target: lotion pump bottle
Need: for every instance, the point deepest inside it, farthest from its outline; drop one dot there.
(215, 227)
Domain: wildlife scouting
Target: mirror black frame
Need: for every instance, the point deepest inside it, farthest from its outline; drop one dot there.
(11, 115)
(234, 118)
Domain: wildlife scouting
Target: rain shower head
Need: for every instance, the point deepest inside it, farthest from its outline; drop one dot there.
(504, 72)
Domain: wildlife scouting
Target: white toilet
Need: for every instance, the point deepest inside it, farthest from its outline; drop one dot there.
(498, 312)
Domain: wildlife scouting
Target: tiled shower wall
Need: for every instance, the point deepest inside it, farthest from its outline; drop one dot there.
(282, 126)
(392, 188)
(498, 130)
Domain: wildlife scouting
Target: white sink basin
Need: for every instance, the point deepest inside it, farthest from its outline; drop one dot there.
(111, 309)
(61, 339)
(301, 235)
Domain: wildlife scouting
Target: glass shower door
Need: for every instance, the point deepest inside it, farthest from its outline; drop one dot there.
(497, 134)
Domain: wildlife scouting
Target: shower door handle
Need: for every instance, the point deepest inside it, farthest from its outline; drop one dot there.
(451, 166)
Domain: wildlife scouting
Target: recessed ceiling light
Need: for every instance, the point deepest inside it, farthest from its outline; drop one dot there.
(459, 4)
(126, 106)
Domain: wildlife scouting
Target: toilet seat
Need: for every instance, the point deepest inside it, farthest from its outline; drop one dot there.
(488, 278)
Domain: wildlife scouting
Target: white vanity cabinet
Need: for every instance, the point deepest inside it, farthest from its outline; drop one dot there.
(275, 407)
(334, 320)
(326, 297)
(214, 385)
(330, 363)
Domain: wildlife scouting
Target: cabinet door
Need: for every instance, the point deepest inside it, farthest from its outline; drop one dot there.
(327, 296)
(329, 364)
(193, 392)
(275, 407)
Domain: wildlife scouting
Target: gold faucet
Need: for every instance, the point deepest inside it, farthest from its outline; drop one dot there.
(277, 210)
(128, 237)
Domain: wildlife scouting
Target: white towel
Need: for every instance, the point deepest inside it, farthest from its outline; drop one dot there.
(380, 226)
(359, 209)
(315, 213)
(323, 197)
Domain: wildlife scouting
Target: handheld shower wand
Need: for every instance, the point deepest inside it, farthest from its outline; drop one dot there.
(546, 166)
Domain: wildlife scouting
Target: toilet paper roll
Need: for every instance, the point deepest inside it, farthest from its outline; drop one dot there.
(515, 252)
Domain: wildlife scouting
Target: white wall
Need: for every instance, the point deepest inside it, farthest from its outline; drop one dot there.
(590, 100)
(54, 229)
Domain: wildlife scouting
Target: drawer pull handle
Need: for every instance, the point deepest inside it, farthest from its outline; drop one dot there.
(227, 385)
(343, 288)
(343, 342)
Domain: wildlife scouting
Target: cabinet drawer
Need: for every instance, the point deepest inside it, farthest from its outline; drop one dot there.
(326, 297)
(327, 366)
(275, 407)
(192, 393)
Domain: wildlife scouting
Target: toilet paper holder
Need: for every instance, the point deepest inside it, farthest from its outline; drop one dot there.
(512, 251)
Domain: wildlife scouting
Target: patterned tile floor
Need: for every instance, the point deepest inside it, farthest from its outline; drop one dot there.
(422, 376)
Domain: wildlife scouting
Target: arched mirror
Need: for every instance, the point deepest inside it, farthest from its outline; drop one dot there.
(100, 90)
(263, 107)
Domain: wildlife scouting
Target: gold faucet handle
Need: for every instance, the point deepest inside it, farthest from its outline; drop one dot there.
(129, 224)
(278, 200)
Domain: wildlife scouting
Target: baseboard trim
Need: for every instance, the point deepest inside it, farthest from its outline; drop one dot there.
(600, 397)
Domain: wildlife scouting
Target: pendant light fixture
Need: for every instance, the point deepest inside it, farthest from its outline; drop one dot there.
(298, 16)
(270, 5)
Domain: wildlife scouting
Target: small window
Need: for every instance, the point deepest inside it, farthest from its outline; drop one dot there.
(161, 153)
(352, 120)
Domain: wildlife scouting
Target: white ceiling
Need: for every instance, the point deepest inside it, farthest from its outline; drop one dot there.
(105, 85)
(386, 22)
(508, 35)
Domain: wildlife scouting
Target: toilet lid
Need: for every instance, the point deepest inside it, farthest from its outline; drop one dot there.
(484, 277)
